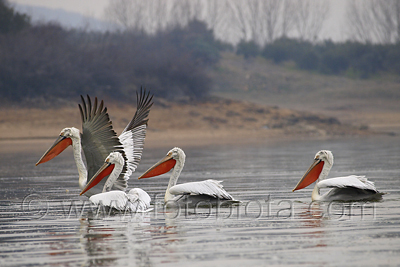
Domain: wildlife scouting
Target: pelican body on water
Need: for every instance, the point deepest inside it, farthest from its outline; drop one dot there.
(196, 192)
(136, 200)
(347, 188)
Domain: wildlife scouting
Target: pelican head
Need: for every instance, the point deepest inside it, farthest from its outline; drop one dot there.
(325, 156)
(177, 154)
(66, 138)
(114, 160)
(70, 132)
(323, 162)
(174, 157)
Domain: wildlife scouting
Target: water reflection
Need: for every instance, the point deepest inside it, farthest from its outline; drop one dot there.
(312, 216)
(112, 240)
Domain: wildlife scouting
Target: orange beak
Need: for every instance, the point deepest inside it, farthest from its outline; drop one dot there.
(59, 146)
(161, 167)
(104, 171)
(311, 175)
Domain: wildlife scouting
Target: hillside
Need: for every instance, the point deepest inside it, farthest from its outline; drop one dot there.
(373, 103)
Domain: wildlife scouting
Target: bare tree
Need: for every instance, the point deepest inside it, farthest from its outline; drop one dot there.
(157, 18)
(216, 16)
(309, 18)
(374, 20)
(126, 13)
(261, 21)
(271, 11)
(397, 17)
(256, 20)
(183, 11)
(287, 18)
(239, 19)
(150, 15)
(359, 21)
(215, 11)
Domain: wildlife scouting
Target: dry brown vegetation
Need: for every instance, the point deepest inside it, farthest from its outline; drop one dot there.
(179, 124)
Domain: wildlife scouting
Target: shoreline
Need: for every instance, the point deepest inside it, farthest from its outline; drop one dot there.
(185, 139)
(218, 121)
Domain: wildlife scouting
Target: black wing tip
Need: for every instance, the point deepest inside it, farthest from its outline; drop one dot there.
(88, 111)
(144, 103)
(144, 97)
(81, 112)
(83, 109)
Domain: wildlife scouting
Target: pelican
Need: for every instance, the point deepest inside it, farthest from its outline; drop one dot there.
(347, 188)
(98, 140)
(137, 200)
(208, 190)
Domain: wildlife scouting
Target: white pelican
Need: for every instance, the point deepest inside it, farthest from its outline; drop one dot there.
(208, 190)
(347, 188)
(98, 140)
(136, 200)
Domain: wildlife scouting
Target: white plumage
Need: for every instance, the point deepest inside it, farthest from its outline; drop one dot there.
(175, 160)
(137, 200)
(347, 188)
(356, 181)
(133, 142)
(209, 187)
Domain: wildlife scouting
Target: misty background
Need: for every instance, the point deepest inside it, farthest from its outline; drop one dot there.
(175, 47)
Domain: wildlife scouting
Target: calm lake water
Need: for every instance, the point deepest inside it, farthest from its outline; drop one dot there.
(43, 221)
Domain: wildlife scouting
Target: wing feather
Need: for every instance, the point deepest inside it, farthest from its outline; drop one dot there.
(114, 199)
(353, 181)
(98, 138)
(144, 103)
(133, 136)
(136, 200)
(208, 187)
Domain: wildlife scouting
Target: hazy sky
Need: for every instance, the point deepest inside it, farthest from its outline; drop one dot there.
(93, 8)
(333, 27)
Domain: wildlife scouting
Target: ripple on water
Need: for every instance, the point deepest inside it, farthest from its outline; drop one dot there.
(42, 223)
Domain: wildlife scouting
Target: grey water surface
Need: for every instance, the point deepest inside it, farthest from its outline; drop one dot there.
(43, 221)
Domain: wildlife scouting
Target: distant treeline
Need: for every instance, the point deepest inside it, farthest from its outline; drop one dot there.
(352, 59)
(47, 60)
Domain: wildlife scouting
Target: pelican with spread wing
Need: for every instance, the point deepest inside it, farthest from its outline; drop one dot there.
(207, 190)
(347, 188)
(98, 140)
(136, 200)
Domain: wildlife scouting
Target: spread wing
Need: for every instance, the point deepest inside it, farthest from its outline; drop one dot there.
(208, 187)
(352, 181)
(98, 137)
(132, 138)
(136, 200)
